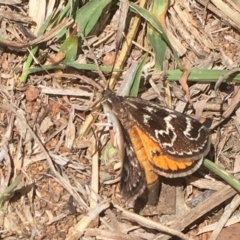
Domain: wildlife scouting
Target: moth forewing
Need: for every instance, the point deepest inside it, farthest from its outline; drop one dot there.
(180, 136)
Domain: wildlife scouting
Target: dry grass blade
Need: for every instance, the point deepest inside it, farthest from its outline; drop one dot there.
(183, 82)
(124, 7)
(206, 183)
(126, 46)
(230, 12)
(44, 38)
(115, 225)
(186, 31)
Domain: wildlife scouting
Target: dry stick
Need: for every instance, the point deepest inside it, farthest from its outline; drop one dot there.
(226, 215)
(233, 103)
(60, 179)
(66, 92)
(145, 222)
(114, 222)
(215, 200)
(127, 45)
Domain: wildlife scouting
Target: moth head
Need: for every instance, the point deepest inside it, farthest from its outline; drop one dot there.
(120, 111)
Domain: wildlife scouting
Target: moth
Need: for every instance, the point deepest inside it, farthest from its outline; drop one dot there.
(158, 141)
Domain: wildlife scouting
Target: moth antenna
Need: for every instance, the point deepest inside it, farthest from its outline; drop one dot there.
(95, 61)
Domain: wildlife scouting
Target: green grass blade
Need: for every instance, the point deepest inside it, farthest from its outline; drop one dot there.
(88, 15)
(70, 48)
(9, 189)
(151, 19)
(137, 77)
(230, 179)
(27, 64)
(158, 44)
(79, 66)
(202, 75)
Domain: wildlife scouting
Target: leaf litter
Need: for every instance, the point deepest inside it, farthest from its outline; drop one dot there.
(62, 194)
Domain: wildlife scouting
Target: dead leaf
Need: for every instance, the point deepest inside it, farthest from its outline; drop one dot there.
(45, 124)
(57, 58)
(53, 143)
(55, 108)
(109, 58)
(65, 149)
(32, 93)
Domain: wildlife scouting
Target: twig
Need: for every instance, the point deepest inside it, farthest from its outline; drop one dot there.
(151, 224)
